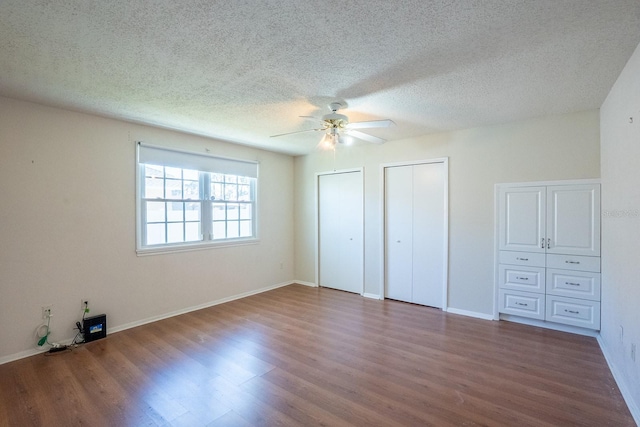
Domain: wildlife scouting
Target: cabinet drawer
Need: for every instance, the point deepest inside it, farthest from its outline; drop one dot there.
(525, 304)
(570, 311)
(573, 284)
(522, 258)
(574, 262)
(528, 279)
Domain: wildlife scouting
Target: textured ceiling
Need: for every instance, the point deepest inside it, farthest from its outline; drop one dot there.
(243, 70)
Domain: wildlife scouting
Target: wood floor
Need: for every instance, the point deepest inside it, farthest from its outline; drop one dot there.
(306, 356)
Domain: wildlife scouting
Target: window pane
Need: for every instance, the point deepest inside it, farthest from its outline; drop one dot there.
(244, 193)
(153, 171)
(175, 232)
(191, 190)
(153, 188)
(245, 211)
(218, 211)
(219, 230)
(233, 229)
(230, 192)
(190, 174)
(155, 212)
(217, 191)
(217, 177)
(230, 179)
(155, 234)
(173, 172)
(233, 211)
(246, 229)
(243, 180)
(173, 189)
(192, 231)
(175, 211)
(192, 212)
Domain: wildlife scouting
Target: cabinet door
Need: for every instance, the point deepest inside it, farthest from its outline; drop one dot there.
(573, 219)
(522, 219)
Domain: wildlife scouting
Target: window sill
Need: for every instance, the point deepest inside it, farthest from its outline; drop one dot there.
(195, 246)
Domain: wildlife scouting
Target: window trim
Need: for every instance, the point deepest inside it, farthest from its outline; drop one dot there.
(142, 250)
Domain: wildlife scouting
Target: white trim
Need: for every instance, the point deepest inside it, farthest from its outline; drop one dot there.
(549, 325)
(28, 353)
(372, 296)
(634, 407)
(317, 219)
(547, 183)
(186, 247)
(302, 282)
(475, 314)
(445, 284)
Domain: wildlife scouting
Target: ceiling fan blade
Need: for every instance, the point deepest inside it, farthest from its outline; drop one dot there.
(366, 137)
(371, 124)
(318, 119)
(298, 131)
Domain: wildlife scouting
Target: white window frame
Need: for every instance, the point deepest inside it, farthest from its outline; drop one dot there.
(214, 164)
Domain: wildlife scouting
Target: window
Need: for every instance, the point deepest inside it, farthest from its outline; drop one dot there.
(188, 200)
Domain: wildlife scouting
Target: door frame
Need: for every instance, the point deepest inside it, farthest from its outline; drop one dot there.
(383, 237)
(317, 219)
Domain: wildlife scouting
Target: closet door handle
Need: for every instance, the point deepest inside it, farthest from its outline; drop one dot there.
(542, 243)
(548, 243)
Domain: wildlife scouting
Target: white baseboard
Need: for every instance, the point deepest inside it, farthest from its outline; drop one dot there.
(372, 296)
(467, 313)
(550, 325)
(634, 407)
(302, 282)
(35, 351)
(196, 307)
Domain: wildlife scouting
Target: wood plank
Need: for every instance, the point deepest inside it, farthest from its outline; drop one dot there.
(305, 356)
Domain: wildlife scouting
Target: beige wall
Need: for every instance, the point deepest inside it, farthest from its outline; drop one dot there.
(67, 224)
(621, 229)
(550, 148)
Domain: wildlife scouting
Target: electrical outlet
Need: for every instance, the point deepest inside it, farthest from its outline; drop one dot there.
(633, 352)
(84, 305)
(46, 311)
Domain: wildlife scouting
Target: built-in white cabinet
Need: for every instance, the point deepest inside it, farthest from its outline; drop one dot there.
(548, 262)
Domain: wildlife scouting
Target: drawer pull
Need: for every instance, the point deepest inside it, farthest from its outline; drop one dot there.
(522, 304)
(571, 311)
(522, 278)
(572, 262)
(522, 259)
(572, 284)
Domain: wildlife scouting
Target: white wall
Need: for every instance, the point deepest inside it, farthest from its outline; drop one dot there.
(67, 227)
(620, 143)
(549, 148)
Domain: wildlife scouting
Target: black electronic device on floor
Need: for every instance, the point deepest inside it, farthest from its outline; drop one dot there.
(95, 327)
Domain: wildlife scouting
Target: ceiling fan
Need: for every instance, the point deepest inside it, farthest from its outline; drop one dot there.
(337, 129)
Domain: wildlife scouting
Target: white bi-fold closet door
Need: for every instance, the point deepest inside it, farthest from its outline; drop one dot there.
(415, 211)
(341, 231)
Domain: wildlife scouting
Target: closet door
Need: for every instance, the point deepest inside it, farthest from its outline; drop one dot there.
(340, 231)
(428, 233)
(415, 230)
(399, 233)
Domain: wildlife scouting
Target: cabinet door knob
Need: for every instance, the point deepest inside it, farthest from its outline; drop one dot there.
(542, 243)
(548, 243)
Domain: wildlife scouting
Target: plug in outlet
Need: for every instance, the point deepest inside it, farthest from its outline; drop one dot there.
(46, 311)
(84, 305)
